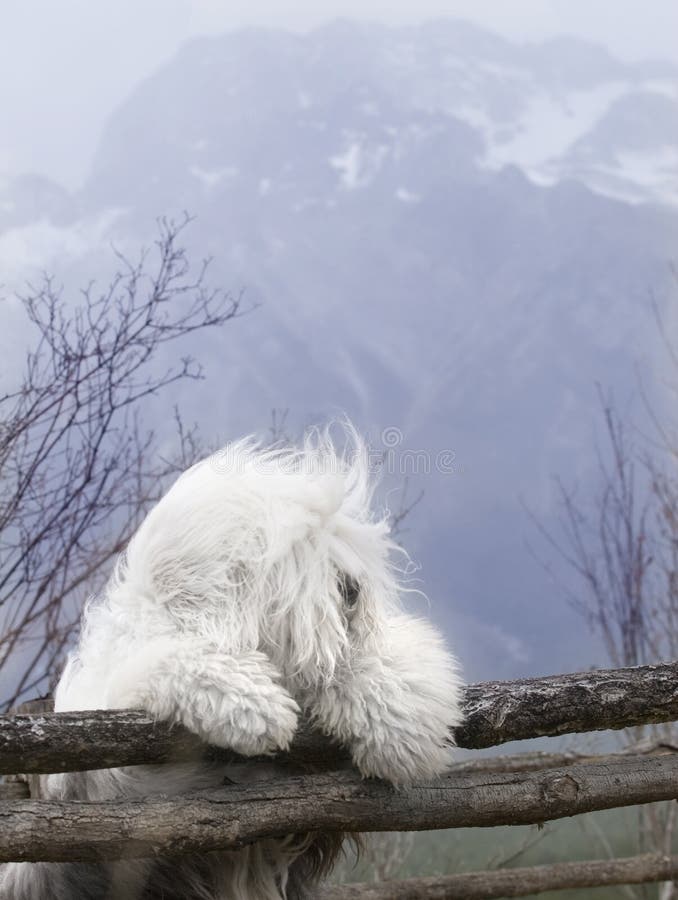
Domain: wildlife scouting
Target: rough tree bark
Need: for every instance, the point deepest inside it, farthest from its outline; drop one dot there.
(236, 815)
(18, 787)
(496, 712)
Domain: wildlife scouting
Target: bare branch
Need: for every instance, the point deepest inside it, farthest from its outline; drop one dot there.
(643, 869)
(78, 469)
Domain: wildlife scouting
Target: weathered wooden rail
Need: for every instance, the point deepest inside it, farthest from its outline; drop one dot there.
(528, 788)
(495, 712)
(232, 816)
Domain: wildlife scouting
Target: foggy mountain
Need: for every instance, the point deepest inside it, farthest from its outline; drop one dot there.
(442, 233)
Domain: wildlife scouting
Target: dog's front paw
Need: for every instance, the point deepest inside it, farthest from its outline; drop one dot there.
(403, 754)
(409, 708)
(229, 701)
(257, 728)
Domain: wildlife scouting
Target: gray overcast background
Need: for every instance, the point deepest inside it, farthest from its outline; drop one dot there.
(65, 64)
(449, 234)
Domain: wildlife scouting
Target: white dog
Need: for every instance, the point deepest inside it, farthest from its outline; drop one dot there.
(258, 587)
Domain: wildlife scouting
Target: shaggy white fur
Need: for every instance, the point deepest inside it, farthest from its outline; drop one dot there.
(259, 586)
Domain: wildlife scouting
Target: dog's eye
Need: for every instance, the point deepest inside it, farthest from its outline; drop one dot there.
(349, 589)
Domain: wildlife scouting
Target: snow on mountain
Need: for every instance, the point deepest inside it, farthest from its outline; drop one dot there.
(632, 151)
(535, 105)
(547, 127)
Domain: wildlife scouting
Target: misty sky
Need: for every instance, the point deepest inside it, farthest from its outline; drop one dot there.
(65, 64)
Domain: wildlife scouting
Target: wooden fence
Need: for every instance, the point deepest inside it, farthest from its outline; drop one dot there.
(518, 789)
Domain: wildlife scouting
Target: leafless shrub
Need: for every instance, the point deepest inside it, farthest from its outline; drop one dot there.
(79, 467)
(622, 544)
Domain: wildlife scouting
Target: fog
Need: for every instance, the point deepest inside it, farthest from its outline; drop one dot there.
(64, 66)
(440, 232)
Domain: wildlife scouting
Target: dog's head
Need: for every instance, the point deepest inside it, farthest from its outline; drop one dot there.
(278, 549)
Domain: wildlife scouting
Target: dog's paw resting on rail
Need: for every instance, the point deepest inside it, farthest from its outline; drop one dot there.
(261, 585)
